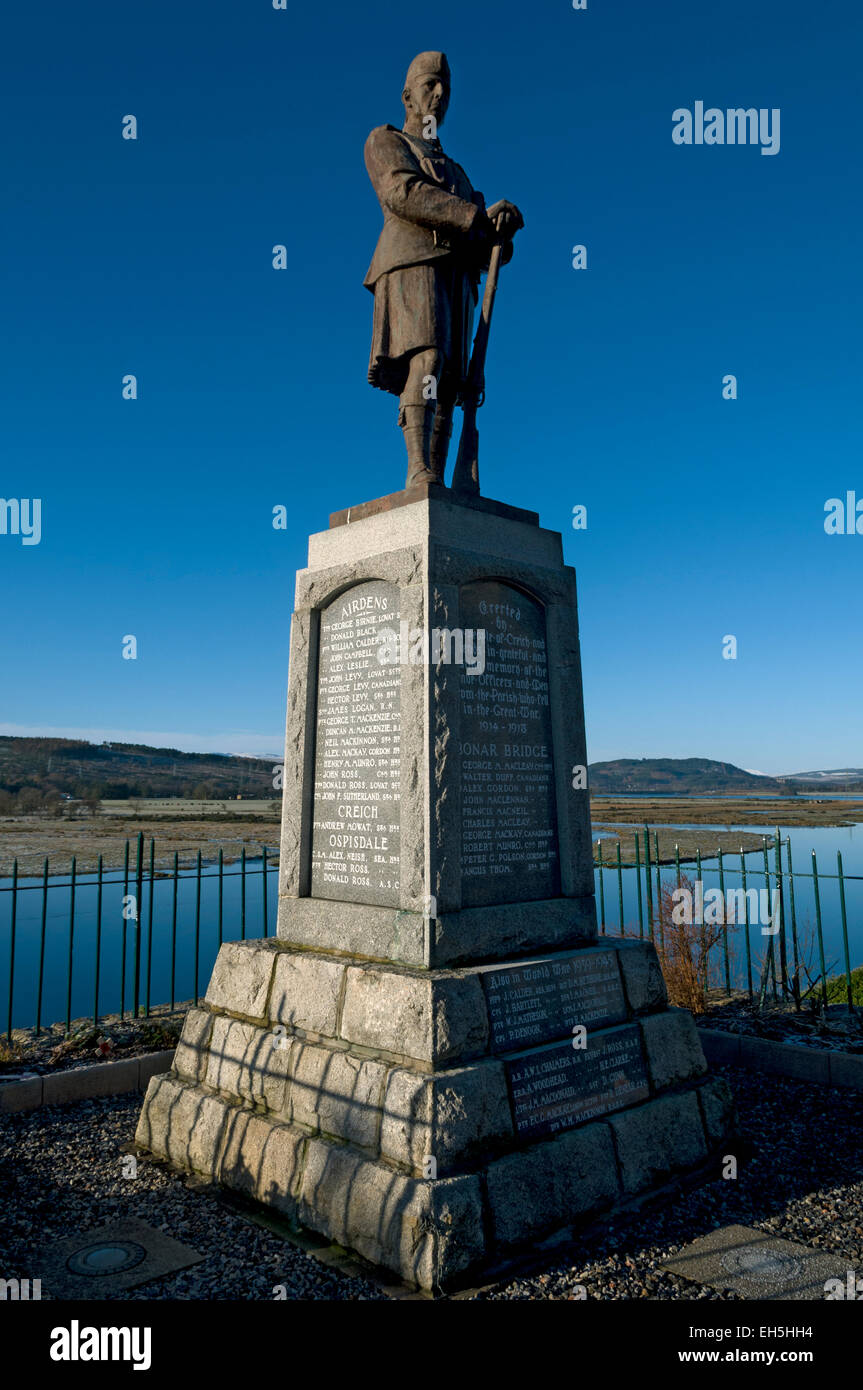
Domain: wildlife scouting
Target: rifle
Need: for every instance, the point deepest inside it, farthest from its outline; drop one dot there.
(466, 474)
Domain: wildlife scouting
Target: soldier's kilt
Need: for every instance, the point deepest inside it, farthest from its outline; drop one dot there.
(422, 306)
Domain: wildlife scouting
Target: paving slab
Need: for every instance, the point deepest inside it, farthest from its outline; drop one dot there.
(755, 1264)
(97, 1264)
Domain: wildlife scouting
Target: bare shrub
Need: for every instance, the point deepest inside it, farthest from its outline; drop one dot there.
(683, 949)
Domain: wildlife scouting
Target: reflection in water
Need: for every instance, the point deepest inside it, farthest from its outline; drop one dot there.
(826, 841)
(239, 919)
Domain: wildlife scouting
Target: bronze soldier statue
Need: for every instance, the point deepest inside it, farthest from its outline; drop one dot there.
(436, 241)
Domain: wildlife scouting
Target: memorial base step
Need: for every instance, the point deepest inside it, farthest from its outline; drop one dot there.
(436, 1233)
(437, 1122)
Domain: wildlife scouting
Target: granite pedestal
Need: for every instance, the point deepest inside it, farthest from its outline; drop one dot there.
(437, 1062)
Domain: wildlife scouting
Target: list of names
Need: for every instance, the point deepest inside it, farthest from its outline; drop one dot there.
(355, 836)
(509, 825)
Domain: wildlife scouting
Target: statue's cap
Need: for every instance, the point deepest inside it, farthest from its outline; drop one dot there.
(428, 63)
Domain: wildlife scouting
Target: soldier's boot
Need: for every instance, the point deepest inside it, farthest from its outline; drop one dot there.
(440, 441)
(416, 422)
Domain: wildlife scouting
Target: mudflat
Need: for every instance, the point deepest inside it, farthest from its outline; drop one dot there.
(32, 839)
(692, 810)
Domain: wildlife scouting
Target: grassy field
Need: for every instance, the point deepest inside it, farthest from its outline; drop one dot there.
(185, 826)
(641, 810)
(671, 840)
(31, 838)
(180, 808)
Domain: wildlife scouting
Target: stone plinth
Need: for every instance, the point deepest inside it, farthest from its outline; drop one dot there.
(437, 1121)
(437, 1061)
(432, 800)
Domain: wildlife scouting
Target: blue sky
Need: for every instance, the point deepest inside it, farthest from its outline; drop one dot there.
(705, 516)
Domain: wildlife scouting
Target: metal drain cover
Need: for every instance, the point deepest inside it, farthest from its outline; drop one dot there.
(106, 1258)
(103, 1262)
(755, 1264)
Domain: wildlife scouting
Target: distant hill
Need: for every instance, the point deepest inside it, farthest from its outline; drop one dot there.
(53, 767)
(56, 766)
(681, 777)
(845, 779)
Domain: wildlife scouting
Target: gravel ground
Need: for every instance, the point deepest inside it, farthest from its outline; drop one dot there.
(803, 1181)
(61, 1170)
(835, 1029)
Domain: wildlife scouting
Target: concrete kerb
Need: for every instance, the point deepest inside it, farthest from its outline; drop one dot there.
(818, 1066)
(82, 1083)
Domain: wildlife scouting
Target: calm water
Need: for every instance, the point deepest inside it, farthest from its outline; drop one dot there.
(114, 929)
(738, 796)
(826, 841)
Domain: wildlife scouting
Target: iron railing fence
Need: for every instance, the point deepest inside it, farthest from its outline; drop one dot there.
(107, 923)
(112, 946)
(782, 976)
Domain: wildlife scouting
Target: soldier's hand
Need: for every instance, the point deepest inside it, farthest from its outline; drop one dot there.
(481, 235)
(506, 218)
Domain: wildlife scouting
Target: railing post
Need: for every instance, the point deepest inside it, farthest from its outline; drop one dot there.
(139, 893)
(772, 939)
(724, 922)
(620, 885)
(98, 945)
(150, 924)
(197, 923)
(601, 888)
(71, 945)
(12, 946)
(647, 883)
(820, 931)
(221, 889)
(848, 984)
(123, 920)
(243, 894)
(264, 881)
(746, 922)
(659, 926)
(783, 948)
(705, 979)
(638, 886)
(42, 949)
(796, 985)
(174, 931)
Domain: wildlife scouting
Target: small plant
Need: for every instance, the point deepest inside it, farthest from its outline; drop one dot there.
(837, 988)
(684, 950)
(10, 1053)
(160, 1034)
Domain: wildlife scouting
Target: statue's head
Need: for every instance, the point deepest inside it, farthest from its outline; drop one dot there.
(426, 89)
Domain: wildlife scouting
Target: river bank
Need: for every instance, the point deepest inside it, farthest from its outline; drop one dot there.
(185, 827)
(32, 839)
(691, 810)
